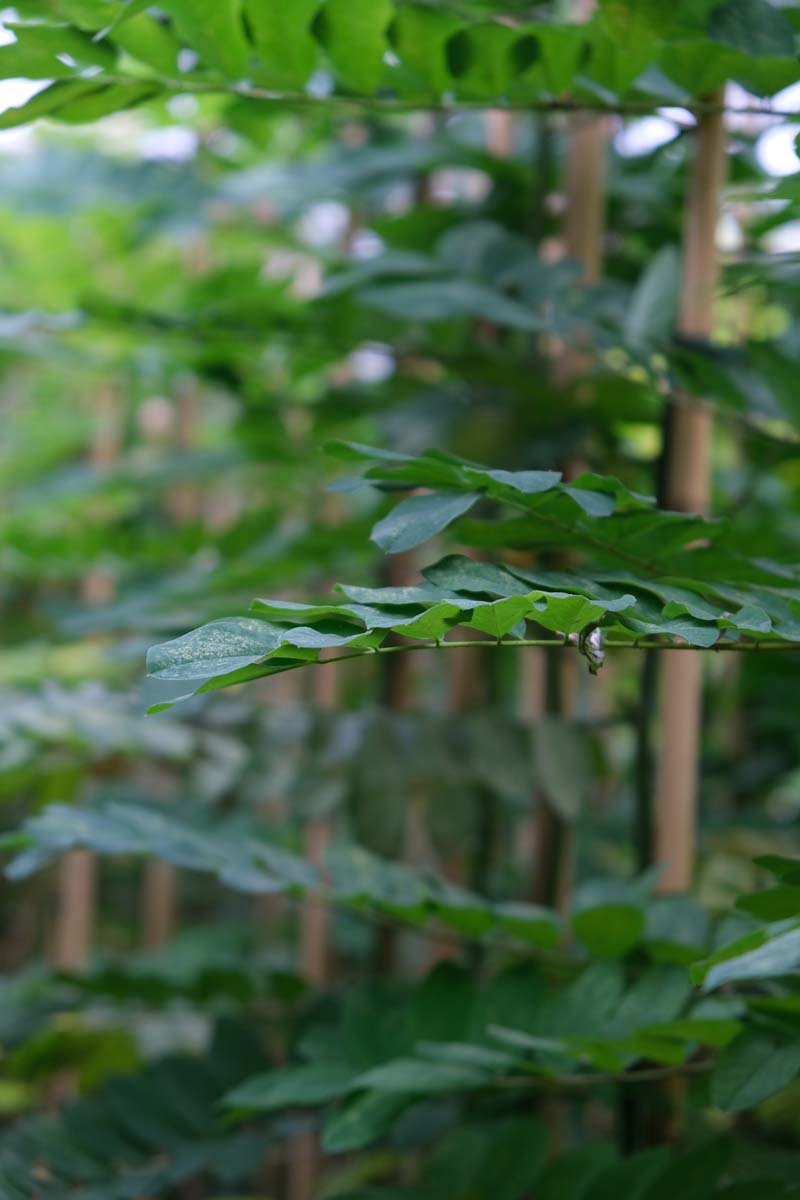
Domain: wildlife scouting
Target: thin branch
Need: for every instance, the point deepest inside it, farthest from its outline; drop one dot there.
(553, 643)
(575, 1082)
(391, 104)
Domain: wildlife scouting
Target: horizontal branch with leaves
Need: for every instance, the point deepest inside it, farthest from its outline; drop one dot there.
(658, 579)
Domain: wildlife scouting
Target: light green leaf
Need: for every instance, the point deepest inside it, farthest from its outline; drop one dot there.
(500, 618)
(150, 41)
(354, 34)
(282, 34)
(76, 100)
(765, 954)
(214, 29)
(39, 53)
(481, 60)
(559, 56)
(419, 37)
(215, 649)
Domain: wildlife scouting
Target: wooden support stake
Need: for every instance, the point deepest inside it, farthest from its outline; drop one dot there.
(687, 489)
(159, 902)
(76, 880)
(584, 222)
(314, 952)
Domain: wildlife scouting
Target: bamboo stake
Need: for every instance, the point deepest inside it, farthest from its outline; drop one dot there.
(159, 902)
(687, 489)
(397, 688)
(584, 221)
(77, 870)
(318, 833)
(314, 952)
(159, 898)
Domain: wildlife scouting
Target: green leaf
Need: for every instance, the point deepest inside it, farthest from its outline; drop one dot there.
(655, 1000)
(764, 954)
(501, 617)
(355, 878)
(652, 310)
(220, 648)
(752, 1069)
(447, 300)
(77, 101)
(562, 767)
(419, 37)
(776, 904)
(609, 930)
(787, 869)
(560, 49)
(469, 576)
(716, 1033)
(354, 34)
(294, 1086)
(694, 69)
(39, 53)
(282, 34)
(362, 1120)
(755, 27)
(533, 924)
(572, 1174)
(419, 518)
(412, 1076)
(85, 14)
(693, 1176)
(214, 29)
(126, 12)
(517, 1152)
(677, 929)
(481, 59)
(629, 1179)
(150, 41)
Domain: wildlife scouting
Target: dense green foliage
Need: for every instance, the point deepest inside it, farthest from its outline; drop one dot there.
(282, 236)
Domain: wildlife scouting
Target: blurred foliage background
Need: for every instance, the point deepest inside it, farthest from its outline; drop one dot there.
(197, 294)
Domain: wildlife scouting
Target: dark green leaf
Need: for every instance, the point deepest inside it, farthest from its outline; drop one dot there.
(287, 1087)
(419, 518)
(752, 1069)
(754, 26)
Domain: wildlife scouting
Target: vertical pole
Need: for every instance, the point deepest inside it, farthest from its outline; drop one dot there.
(76, 881)
(314, 949)
(687, 487)
(160, 883)
(584, 221)
(314, 919)
(397, 690)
